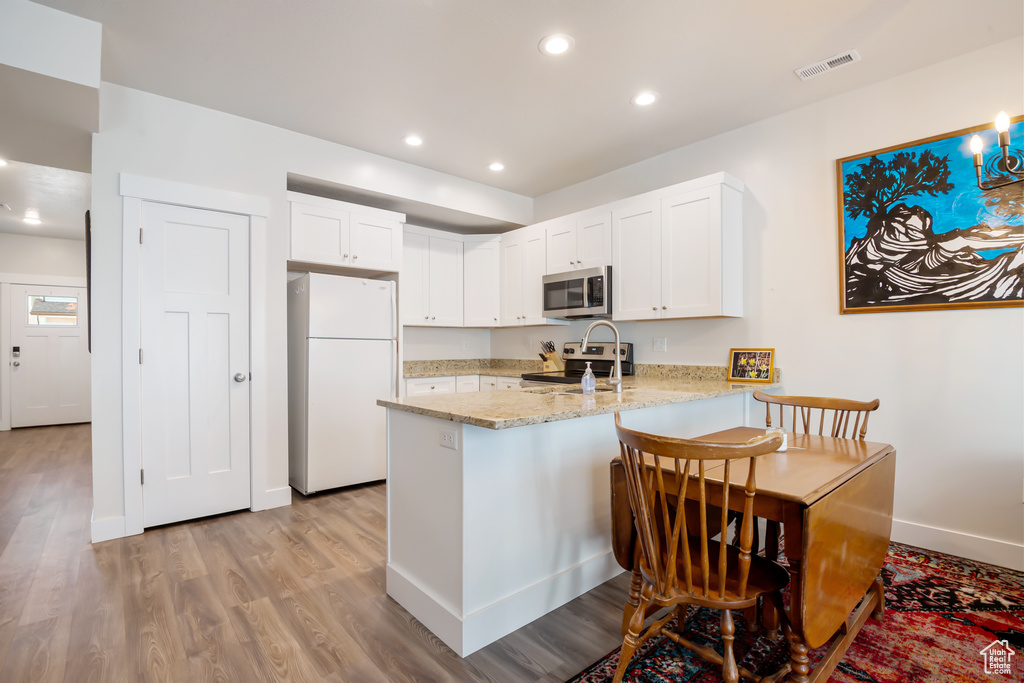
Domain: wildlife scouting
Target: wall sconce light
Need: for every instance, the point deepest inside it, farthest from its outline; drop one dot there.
(1007, 169)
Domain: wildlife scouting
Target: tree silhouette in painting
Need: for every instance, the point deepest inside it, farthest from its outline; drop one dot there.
(901, 261)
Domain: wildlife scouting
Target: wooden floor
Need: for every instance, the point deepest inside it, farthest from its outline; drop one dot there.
(291, 594)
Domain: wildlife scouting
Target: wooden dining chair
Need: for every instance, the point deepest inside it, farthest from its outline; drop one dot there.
(840, 418)
(678, 566)
(837, 417)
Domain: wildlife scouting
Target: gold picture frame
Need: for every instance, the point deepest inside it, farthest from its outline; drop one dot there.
(751, 365)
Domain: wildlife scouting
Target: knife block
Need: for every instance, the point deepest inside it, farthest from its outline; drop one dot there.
(552, 363)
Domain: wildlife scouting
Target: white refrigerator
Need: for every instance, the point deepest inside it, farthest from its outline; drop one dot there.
(342, 357)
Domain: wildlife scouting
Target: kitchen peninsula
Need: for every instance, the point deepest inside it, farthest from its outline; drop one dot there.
(498, 502)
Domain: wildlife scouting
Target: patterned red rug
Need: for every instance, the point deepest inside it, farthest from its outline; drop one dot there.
(942, 614)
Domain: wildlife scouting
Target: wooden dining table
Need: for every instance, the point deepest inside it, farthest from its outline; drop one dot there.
(834, 500)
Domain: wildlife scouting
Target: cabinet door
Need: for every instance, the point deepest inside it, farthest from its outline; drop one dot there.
(375, 242)
(481, 267)
(319, 234)
(534, 269)
(488, 383)
(691, 254)
(414, 284)
(560, 241)
(445, 282)
(636, 269)
(512, 278)
(594, 240)
(467, 384)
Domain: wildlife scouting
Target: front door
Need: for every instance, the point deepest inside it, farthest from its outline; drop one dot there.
(195, 362)
(49, 356)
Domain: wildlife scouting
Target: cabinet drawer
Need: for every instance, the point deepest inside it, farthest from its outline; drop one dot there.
(508, 382)
(421, 386)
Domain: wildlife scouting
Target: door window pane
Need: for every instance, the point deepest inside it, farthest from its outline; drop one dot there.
(52, 310)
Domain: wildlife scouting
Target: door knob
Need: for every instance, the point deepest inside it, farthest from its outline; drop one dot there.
(16, 363)
(239, 377)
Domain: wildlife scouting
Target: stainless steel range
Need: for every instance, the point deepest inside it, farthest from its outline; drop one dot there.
(602, 360)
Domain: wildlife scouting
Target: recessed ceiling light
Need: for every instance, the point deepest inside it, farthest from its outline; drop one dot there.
(556, 44)
(32, 217)
(3, 162)
(413, 140)
(497, 166)
(642, 99)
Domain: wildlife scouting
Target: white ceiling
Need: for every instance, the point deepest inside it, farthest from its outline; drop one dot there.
(61, 198)
(467, 76)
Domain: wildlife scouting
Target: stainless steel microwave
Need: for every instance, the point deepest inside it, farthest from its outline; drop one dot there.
(584, 293)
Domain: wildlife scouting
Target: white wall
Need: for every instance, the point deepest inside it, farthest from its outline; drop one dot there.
(161, 138)
(447, 343)
(32, 255)
(951, 383)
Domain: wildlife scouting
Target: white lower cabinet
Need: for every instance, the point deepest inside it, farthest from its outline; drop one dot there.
(467, 384)
(460, 384)
(423, 386)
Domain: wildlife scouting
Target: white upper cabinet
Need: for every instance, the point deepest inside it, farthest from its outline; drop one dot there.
(578, 241)
(334, 233)
(512, 278)
(523, 264)
(679, 252)
(482, 275)
(431, 282)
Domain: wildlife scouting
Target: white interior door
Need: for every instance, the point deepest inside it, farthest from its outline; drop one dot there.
(195, 363)
(49, 356)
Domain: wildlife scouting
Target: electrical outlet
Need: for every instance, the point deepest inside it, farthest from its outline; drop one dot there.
(465, 345)
(449, 439)
(661, 343)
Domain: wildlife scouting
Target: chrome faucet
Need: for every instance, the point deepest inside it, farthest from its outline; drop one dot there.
(615, 378)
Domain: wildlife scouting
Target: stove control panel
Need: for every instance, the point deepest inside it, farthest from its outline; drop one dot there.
(596, 351)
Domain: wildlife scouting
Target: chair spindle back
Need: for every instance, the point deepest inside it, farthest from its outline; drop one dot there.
(836, 417)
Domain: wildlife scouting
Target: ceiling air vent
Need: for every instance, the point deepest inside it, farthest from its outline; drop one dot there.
(825, 65)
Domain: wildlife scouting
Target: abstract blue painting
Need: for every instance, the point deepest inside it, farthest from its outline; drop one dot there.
(917, 233)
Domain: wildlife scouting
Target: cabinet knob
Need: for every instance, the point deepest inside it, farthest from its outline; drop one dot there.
(579, 262)
(426, 317)
(664, 308)
(571, 262)
(432, 388)
(495, 320)
(433, 317)
(355, 256)
(344, 256)
(654, 308)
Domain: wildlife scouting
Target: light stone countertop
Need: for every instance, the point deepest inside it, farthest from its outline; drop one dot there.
(535, 405)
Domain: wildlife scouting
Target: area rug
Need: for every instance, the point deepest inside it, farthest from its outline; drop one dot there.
(947, 619)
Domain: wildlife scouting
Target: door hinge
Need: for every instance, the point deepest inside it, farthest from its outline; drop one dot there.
(140, 235)
(140, 356)
(142, 477)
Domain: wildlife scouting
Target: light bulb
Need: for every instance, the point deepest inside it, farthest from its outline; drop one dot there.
(413, 140)
(645, 98)
(1002, 122)
(497, 166)
(556, 44)
(976, 144)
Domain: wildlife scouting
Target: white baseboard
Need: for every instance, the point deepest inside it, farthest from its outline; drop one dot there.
(979, 548)
(466, 634)
(108, 529)
(273, 498)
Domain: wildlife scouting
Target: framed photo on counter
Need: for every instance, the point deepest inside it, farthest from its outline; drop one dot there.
(751, 365)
